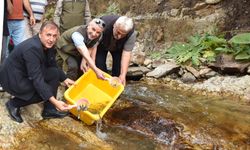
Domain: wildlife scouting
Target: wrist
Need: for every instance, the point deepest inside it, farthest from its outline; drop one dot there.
(122, 75)
(53, 100)
(95, 69)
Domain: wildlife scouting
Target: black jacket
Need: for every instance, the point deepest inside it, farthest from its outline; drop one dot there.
(22, 73)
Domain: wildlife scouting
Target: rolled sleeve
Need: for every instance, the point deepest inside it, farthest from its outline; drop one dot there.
(78, 39)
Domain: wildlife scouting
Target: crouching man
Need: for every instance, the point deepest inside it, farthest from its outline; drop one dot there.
(31, 75)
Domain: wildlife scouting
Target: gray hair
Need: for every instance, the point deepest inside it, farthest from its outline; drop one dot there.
(125, 23)
(50, 24)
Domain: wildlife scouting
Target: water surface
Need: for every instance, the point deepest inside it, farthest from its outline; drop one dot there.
(208, 122)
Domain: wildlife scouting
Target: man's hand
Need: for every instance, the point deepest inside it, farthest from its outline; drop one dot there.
(68, 82)
(123, 79)
(99, 73)
(62, 106)
(32, 20)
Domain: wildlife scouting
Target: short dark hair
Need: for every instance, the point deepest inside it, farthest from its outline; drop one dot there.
(50, 24)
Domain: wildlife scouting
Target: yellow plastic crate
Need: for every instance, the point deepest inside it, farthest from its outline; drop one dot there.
(100, 94)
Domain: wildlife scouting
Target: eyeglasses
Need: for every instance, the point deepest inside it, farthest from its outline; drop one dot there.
(100, 22)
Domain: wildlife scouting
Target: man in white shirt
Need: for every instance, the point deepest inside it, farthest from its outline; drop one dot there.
(38, 8)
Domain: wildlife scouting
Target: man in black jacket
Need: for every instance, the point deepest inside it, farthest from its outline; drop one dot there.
(119, 39)
(31, 75)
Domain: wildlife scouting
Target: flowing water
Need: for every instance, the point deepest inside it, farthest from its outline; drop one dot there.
(215, 120)
(202, 122)
(99, 133)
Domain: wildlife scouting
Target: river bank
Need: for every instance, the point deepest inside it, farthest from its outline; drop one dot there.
(223, 86)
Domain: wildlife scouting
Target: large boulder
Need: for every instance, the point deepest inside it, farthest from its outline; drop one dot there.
(150, 123)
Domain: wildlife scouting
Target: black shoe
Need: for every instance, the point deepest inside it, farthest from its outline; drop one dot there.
(14, 112)
(47, 114)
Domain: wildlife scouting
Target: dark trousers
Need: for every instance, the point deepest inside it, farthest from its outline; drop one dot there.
(101, 57)
(52, 78)
(73, 70)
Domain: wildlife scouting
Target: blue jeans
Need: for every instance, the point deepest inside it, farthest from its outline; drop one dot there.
(16, 29)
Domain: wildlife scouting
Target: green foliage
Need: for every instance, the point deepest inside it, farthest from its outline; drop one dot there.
(243, 38)
(49, 13)
(208, 47)
(156, 55)
(241, 45)
(197, 47)
(112, 9)
(242, 51)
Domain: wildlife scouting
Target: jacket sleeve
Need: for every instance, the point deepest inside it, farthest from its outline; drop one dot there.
(33, 63)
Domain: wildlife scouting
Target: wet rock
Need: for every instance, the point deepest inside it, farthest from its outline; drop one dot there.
(207, 73)
(229, 84)
(60, 134)
(157, 63)
(247, 97)
(147, 62)
(174, 12)
(136, 73)
(204, 71)
(15, 135)
(162, 70)
(158, 1)
(147, 122)
(210, 74)
(193, 71)
(248, 69)
(185, 12)
(212, 1)
(188, 78)
(199, 6)
(138, 58)
(158, 35)
(181, 71)
(33, 112)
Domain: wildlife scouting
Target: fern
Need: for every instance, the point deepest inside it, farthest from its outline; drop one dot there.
(112, 9)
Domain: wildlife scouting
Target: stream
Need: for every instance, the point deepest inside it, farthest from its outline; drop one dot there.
(150, 117)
